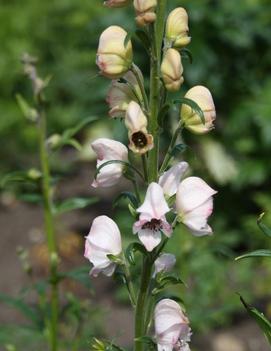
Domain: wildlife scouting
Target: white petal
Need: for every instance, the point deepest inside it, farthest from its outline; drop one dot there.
(196, 220)
(164, 263)
(155, 204)
(149, 238)
(135, 119)
(108, 149)
(170, 180)
(191, 193)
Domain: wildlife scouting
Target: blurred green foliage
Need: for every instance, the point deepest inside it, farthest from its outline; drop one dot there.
(231, 49)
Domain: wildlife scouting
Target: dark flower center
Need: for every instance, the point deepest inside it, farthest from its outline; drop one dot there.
(139, 139)
(154, 224)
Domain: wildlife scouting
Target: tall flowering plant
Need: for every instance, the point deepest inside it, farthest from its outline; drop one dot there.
(164, 196)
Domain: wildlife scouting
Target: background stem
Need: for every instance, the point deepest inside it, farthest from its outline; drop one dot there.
(49, 229)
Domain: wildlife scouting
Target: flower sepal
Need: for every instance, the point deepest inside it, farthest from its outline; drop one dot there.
(115, 259)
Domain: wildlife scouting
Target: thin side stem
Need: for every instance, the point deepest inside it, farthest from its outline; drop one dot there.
(49, 229)
(145, 167)
(170, 148)
(141, 86)
(129, 283)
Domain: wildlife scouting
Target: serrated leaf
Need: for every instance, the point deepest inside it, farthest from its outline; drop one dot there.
(126, 195)
(187, 54)
(132, 249)
(263, 227)
(194, 106)
(257, 253)
(73, 204)
(144, 39)
(80, 274)
(260, 318)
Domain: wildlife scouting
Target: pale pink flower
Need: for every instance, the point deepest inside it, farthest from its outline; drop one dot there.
(108, 150)
(164, 263)
(122, 93)
(170, 179)
(116, 3)
(172, 70)
(191, 118)
(145, 11)
(177, 28)
(114, 58)
(103, 239)
(152, 220)
(172, 329)
(194, 204)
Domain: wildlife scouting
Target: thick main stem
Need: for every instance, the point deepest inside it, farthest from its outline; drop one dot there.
(49, 229)
(157, 40)
(140, 317)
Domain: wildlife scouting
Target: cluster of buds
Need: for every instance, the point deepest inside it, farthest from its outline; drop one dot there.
(171, 197)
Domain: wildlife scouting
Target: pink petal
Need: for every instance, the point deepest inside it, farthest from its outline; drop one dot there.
(149, 238)
(170, 180)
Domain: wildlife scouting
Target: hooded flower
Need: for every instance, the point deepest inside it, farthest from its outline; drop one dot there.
(103, 239)
(172, 70)
(145, 11)
(170, 179)
(136, 123)
(116, 3)
(122, 93)
(177, 28)
(194, 204)
(152, 220)
(108, 150)
(114, 58)
(164, 263)
(172, 330)
(191, 118)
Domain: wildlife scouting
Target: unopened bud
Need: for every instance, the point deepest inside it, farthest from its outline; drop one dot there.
(114, 56)
(34, 174)
(54, 141)
(145, 11)
(116, 3)
(177, 28)
(191, 119)
(172, 70)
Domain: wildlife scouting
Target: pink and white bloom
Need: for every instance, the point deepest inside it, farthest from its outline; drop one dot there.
(145, 11)
(172, 329)
(170, 179)
(103, 239)
(194, 205)
(172, 70)
(114, 58)
(116, 3)
(152, 220)
(164, 263)
(191, 119)
(177, 28)
(108, 150)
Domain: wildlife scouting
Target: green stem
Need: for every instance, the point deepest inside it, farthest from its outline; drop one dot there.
(129, 283)
(141, 87)
(170, 148)
(157, 32)
(49, 229)
(145, 168)
(140, 313)
(137, 193)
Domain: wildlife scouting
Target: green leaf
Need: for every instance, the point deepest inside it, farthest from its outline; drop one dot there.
(132, 249)
(126, 195)
(260, 318)
(27, 111)
(148, 341)
(80, 274)
(163, 280)
(33, 198)
(73, 204)
(126, 164)
(194, 106)
(257, 253)
(31, 175)
(144, 39)
(115, 259)
(17, 303)
(69, 133)
(187, 54)
(263, 227)
(178, 149)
